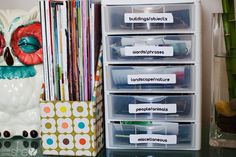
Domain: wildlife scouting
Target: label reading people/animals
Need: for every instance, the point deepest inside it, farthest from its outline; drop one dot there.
(157, 51)
(148, 18)
(153, 138)
(152, 108)
(152, 79)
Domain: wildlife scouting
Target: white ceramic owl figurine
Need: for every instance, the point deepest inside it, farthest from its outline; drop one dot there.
(21, 73)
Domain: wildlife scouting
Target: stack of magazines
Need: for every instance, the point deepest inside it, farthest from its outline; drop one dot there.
(71, 34)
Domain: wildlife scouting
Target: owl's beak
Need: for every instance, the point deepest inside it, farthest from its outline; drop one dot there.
(8, 57)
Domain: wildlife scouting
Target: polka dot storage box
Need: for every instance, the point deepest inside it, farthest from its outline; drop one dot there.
(74, 128)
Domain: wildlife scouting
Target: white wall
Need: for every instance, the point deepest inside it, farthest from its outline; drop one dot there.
(17, 4)
(208, 7)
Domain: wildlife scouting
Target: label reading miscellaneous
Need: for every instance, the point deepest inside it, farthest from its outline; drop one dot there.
(148, 18)
(153, 108)
(152, 79)
(149, 51)
(153, 138)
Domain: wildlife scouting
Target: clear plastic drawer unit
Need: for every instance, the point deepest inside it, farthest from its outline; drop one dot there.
(152, 74)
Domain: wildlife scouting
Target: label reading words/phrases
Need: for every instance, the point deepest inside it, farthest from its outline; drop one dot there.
(148, 18)
(149, 138)
(152, 108)
(152, 79)
(149, 51)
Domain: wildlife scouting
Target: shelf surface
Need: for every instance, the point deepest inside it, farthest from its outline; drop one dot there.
(19, 147)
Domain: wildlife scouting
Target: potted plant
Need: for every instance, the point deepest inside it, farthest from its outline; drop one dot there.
(223, 120)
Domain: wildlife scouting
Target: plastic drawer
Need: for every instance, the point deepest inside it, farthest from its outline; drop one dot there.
(150, 153)
(149, 17)
(177, 48)
(150, 78)
(158, 135)
(151, 107)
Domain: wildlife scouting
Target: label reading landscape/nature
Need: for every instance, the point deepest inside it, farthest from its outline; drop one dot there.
(152, 108)
(149, 51)
(152, 79)
(153, 138)
(148, 18)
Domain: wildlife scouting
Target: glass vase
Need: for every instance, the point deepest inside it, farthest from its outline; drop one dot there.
(223, 110)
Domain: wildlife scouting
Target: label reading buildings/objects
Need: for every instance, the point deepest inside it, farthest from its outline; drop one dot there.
(148, 18)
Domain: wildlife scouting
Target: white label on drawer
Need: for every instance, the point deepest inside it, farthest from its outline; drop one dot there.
(152, 108)
(153, 138)
(148, 18)
(152, 79)
(149, 51)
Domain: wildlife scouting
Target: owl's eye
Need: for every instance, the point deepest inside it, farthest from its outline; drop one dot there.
(29, 44)
(2, 43)
(26, 44)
